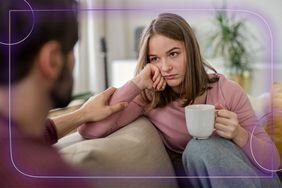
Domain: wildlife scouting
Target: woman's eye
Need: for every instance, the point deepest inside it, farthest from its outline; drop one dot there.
(153, 59)
(174, 54)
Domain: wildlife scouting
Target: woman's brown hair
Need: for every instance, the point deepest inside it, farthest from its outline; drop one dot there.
(196, 81)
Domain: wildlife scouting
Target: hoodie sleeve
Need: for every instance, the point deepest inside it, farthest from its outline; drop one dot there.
(128, 93)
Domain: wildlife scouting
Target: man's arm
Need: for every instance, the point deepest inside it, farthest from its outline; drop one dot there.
(95, 109)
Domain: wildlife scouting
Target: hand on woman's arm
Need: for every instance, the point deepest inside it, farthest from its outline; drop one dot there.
(95, 109)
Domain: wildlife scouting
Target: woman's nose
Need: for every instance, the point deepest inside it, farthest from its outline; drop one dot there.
(165, 66)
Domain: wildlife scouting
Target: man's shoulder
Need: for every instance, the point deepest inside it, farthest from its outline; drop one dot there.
(4, 128)
(33, 157)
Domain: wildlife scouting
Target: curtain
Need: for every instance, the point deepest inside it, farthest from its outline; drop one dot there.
(89, 68)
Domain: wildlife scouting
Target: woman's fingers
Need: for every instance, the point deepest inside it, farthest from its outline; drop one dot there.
(223, 120)
(156, 82)
(161, 85)
(219, 106)
(221, 127)
(227, 127)
(221, 133)
(155, 71)
(225, 131)
(226, 114)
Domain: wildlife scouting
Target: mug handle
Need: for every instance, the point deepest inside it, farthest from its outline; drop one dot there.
(215, 116)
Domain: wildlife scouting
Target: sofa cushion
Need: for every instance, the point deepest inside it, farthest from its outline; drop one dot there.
(134, 150)
(261, 104)
(268, 108)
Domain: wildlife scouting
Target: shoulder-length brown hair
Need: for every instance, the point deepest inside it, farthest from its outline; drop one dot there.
(196, 81)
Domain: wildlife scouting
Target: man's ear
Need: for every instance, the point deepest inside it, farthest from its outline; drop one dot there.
(50, 59)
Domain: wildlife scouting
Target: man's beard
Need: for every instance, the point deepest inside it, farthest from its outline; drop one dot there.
(61, 93)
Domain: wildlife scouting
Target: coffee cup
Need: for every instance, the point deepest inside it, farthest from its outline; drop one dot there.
(200, 120)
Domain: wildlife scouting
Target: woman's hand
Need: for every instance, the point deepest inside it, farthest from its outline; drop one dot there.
(227, 126)
(150, 78)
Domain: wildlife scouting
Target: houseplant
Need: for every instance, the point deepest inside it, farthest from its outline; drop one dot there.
(229, 40)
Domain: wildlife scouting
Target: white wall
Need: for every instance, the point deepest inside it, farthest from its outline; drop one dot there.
(120, 27)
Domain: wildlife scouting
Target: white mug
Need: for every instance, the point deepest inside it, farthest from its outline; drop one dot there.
(200, 120)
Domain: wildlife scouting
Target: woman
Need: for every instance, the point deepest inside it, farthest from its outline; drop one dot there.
(171, 74)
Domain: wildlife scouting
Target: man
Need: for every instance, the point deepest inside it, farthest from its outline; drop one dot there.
(39, 46)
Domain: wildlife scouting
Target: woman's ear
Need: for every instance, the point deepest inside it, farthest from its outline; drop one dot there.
(50, 59)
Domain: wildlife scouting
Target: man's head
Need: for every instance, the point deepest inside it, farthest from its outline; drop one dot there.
(43, 38)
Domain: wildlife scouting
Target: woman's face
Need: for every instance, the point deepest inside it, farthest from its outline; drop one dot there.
(169, 56)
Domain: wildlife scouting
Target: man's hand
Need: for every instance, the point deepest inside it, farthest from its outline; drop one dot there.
(98, 108)
(95, 109)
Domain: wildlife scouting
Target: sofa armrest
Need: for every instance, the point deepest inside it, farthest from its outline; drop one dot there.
(134, 150)
(261, 104)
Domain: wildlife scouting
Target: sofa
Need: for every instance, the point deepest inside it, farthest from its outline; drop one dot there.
(134, 156)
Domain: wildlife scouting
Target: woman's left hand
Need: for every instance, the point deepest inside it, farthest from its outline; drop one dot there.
(226, 123)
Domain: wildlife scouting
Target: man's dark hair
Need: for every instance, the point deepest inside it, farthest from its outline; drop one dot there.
(50, 20)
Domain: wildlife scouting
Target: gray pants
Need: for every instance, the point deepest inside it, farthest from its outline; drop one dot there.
(208, 163)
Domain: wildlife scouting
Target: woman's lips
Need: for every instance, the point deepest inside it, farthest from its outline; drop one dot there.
(170, 77)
